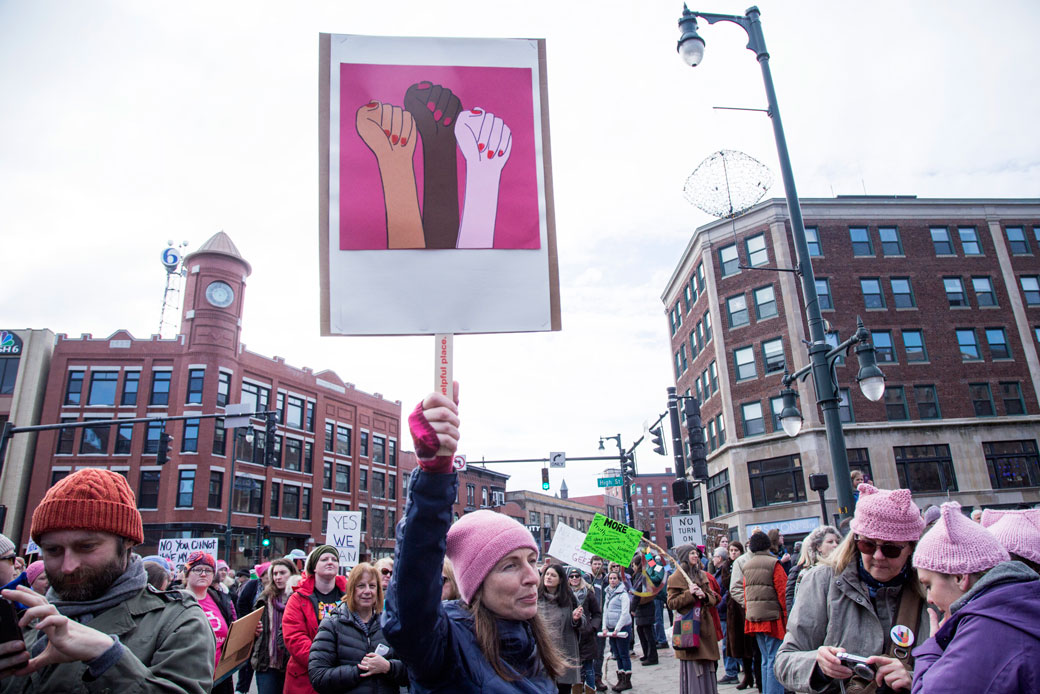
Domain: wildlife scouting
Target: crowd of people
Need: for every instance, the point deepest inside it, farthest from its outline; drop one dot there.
(901, 601)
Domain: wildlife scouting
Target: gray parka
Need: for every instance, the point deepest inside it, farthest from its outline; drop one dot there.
(837, 611)
(168, 647)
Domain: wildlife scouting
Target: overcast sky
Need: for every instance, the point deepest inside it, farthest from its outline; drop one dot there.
(125, 124)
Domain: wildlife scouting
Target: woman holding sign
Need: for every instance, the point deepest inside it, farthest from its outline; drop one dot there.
(201, 570)
(697, 646)
(493, 640)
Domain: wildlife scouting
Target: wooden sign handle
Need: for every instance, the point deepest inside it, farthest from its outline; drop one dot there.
(444, 357)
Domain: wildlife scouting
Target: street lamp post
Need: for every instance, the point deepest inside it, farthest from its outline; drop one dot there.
(626, 480)
(691, 49)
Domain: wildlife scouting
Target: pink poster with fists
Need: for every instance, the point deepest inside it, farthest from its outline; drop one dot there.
(436, 157)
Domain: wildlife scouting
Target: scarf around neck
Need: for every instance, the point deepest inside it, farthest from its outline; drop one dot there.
(519, 649)
(873, 585)
(276, 656)
(129, 584)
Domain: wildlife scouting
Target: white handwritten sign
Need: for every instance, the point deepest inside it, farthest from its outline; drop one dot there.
(686, 529)
(344, 533)
(176, 549)
(566, 546)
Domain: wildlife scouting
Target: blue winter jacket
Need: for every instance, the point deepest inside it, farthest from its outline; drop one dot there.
(436, 640)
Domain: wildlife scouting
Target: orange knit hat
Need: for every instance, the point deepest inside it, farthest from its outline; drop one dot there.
(89, 499)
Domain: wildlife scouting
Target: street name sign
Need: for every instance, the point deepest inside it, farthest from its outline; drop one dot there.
(609, 482)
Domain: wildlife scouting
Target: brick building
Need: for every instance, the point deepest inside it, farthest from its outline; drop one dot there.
(543, 512)
(336, 447)
(653, 505)
(950, 289)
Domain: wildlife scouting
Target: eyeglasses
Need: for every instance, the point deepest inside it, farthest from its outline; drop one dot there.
(869, 547)
(13, 558)
(201, 570)
(386, 572)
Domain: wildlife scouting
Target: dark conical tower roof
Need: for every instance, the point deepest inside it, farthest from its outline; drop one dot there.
(221, 244)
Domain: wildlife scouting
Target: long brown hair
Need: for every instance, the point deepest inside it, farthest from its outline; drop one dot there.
(485, 627)
(270, 592)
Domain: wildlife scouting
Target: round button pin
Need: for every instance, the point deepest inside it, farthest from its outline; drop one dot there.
(902, 636)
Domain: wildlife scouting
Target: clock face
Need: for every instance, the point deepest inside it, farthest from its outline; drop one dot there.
(220, 294)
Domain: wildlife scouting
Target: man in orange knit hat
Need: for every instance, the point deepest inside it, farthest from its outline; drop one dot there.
(101, 627)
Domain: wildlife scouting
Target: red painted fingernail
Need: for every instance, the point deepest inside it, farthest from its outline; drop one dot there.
(404, 141)
(437, 114)
(491, 154)
(387, 133)
(447, 121)
(476, 111)
(394, 139)
(425, 85)
(372, 104)
(480, 147)
(501, 152)
(431, 106)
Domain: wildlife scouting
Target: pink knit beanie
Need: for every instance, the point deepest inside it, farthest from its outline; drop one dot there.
(477, 541)
(883, 514)
(1017, 531)
(958, 545)
(33, 571)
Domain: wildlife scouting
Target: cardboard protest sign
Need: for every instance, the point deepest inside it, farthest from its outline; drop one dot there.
(612, 540)
(434, 161)
(177, 549)
(566, 546)
(238, 645)
(344, 533)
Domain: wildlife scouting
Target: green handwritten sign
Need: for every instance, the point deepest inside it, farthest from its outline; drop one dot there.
(612, 540)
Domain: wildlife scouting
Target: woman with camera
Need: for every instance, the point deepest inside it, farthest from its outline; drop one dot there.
(850, 604)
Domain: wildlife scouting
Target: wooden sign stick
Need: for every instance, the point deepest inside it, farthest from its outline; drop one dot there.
(678, 566)
(443, 362)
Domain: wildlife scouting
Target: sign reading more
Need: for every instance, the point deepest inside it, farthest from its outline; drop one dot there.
(344, 533)
(612, 540)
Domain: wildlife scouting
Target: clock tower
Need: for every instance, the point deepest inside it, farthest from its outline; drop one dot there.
(213, 297)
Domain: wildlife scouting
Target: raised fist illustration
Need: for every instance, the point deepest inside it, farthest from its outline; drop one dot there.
(435, 109)
(485, 141)
(389, 131)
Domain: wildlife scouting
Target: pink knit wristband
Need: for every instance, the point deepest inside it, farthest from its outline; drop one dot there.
(426, 443)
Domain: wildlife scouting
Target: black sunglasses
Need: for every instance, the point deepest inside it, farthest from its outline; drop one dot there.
(869, 547)
(386, 572)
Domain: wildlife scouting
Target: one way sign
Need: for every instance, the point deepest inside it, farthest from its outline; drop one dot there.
(558, 459)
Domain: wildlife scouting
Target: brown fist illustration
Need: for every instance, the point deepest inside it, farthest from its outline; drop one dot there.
(389, 131)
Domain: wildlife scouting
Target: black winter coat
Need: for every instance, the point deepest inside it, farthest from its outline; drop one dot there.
(594, 620)
(342, 641)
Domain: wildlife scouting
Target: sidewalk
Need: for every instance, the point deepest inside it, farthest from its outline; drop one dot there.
(664, 677)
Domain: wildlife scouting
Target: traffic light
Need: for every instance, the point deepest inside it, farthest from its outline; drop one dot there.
(655, 438)
(695, 432)
(682, 491)
(265, 542)
(628, 466)
(269, 439)
(545, 478)
(162, 455)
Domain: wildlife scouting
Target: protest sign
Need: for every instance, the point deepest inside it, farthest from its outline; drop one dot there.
(344, 533)
(612, 540)
(176, 549)
(566, 546)
(434, 159)
(686, 530)
(238, 645)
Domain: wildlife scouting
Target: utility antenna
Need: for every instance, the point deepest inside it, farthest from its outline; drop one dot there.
(173, 261)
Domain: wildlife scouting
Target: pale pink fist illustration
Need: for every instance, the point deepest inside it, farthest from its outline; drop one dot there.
(485, 141)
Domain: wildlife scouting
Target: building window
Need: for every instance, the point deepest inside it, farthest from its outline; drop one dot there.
(330, 437)
(687, 297)
(343, 446)
(720, 425)
(326, 506)
(859, 459)
(185, 488)
(160, 388)
(845, 406)
(680, 361)
(342, 478)
(363, 480)
(1012, 464)
(981, 399)
(326, 475)
(1011, 394)
(754, 424)
(124, 439)
(378, 449)
(744, 358)
(861, 245)
(776, 480)
(719, 500)
(969, 241)
(984, 294)
(291, 501)
(471, 495)
(756, 250)
(219, 437)
(711, 436)
(256, 397)
(190, 440)
(305, 503)
(765, 302)
(955, 296)
(223, 388)
(729, 261)
(773, 355)
(674, 319)
(812, 238)
(925, 468)
(131, 382)
(895, 404)
(293, 454)
(308, 457)
(148, 490)
(103, 388)
(927, 402)
(1017, 242)
(941, 241)
(1030, 290)
(391, 488)
(714, 372)
(998, 344)
(276, 495)
(364, 444)
(969, 346)
(695, 348)
(913, 345)
(294, 412)
(776, 406)
(196, 380)
(248, 496)
(872, 294)
(823, 293)
(74, 387)
(883, 348)
(94, 440)
(216, 489)
(902, 293)
(151, 441)
(891, 244)
(707, 328)
(391, 453)
(736, 307)
(378, 485)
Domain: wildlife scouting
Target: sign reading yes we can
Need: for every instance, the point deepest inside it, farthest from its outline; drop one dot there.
(612, 540)
(344, 533)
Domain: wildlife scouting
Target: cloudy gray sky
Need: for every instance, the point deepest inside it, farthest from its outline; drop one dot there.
(124, 124)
